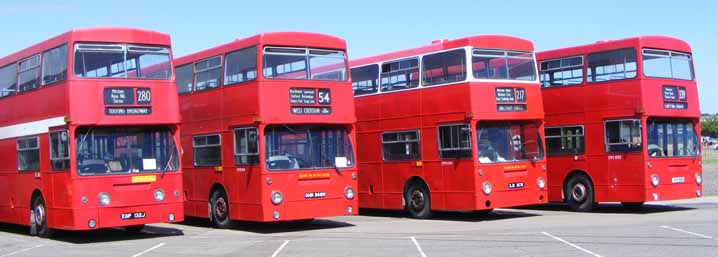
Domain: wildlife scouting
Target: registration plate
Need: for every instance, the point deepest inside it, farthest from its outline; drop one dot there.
(314, 195)
(132, 215)
(516, 185)
(676, 180)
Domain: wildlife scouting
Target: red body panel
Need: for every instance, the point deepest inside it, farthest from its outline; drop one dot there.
(79, 102)
(620, 177)
(259, 103)
(454, 184)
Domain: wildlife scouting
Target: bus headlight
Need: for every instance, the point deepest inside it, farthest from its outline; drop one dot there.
(159, 195)
(655, 180)
(486, 187)
(349, 193)
(277, 197)
(699, 179)
(104, 199)
(541, 183)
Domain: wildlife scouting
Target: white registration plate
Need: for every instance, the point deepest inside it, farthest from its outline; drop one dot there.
(676, 180)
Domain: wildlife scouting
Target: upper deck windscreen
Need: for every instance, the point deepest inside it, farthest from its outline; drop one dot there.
(122, 61)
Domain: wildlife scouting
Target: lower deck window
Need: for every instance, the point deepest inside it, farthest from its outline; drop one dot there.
(455, 141)
(307, 147)
(508, 142)
(672, 138)
(245, 146)
(28, 154)
(565, 140)
(400, 145)
(207, 150)
(623, 135)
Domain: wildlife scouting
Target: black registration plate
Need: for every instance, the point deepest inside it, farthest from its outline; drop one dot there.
(516, 185)
(133, 215)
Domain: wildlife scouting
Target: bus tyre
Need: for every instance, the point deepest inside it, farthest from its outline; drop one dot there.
(579, 193)
(38, 224)
(219, 209)
(136, 229)
(418, 201)
(632, 205)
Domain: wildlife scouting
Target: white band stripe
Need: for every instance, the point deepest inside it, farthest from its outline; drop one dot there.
(30, 128)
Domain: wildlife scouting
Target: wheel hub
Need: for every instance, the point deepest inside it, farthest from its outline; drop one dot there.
(418, 200)
(39, 214)
(220, 208)
(579, 192)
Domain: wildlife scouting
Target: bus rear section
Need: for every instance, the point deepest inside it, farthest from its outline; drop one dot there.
(286, 152)
(453, 137)
(622, 122)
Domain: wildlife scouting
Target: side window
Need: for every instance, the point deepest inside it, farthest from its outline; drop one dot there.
(623, 136)
(184, 78)
(611, 65)
(562, 72)
(8, 80)
(455, 141)
(399, 75)
(28, 77)
(54, 65)
(399, 146)
(444, 67)
(565, 140)
(207, 150)
(365, 80)
(240, 66)
(28, 154)
(207, 73)
(59, 150)
(246, 149)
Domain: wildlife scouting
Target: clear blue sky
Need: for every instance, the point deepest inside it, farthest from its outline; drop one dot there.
(372, 27)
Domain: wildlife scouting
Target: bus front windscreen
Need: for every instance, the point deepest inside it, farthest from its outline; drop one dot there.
(307, 147)
(120, 61)
(508, 142)
(125, 150)
(672, 138)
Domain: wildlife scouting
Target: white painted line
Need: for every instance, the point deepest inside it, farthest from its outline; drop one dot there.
(149, 250)
(687, 232)
(280, 248)
(570, 244)
(418, 247)
(20, 251)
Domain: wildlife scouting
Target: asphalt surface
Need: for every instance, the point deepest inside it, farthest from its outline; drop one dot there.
(676, 228)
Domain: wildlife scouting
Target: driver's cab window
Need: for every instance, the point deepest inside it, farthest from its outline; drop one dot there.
(623, 135)
(207, 150)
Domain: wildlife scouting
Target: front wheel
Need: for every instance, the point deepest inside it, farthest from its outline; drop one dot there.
(219, 209)
(39, 218)
(579, 193)
(418, 201)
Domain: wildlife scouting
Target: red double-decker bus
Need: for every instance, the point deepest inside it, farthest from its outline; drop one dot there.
(268, 125)
(454, 125)
(88, 132)
(622, 122)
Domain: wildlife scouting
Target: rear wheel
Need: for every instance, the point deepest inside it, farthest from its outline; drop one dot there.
(39, 218)
(632, 205)
(418, 201)
(579, 193)
(219, 210)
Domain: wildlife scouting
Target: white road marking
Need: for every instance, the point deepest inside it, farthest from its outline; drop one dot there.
(280, 248)
(570, 244)
(687, 232)
(149, 250)
(413, 239)
(20, 251)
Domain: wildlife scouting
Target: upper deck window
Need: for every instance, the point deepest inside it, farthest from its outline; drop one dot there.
(207, 73)
(122, 61)
(240, 66)
(184, 78)
(54, 65)
(499, 64)
(398, 75)
(667, 64)
(8, 80)
(365, 80)
(446, 67)
(611, 65)
(304, 64)
(28, 77)
(562, 72)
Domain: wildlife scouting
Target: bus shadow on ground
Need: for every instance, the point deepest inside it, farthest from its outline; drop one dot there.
(96, 236)
(466, 216)
(616, 208)
(273, 227)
